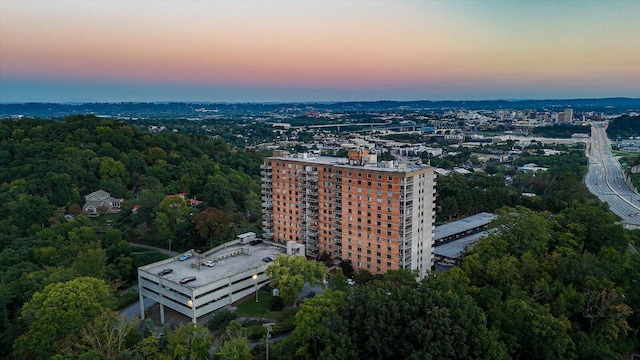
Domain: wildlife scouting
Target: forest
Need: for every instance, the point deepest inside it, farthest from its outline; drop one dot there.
(624, 127)
(46, 169)
(557, 277)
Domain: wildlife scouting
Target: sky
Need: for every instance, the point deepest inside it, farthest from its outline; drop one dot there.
(299, 51)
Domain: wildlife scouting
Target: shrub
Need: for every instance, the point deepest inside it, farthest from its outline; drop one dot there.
(276, 303)
(256, 332)
(221, 319)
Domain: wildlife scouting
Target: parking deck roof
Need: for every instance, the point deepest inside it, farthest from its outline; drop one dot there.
(224, 267)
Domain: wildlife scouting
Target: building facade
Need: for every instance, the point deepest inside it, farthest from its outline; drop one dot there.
(378, 215)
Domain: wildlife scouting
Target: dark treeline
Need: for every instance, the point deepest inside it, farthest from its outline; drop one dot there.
(624, 127)
(560, 131)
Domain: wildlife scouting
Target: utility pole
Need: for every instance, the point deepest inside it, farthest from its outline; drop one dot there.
(269, 327)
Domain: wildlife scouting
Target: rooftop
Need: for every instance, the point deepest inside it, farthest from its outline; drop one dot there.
(462, 225)
(344, 162)
(246, 257)
(454, 249)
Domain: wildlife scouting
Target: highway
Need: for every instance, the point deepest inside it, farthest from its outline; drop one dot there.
(606, 180)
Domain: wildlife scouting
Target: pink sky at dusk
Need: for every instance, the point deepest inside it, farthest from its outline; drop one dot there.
(317, 51)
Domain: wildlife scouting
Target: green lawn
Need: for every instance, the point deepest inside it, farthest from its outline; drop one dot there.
(249, 307)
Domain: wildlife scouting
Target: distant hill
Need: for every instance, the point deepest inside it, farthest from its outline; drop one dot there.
(195, 111)
(624, 126)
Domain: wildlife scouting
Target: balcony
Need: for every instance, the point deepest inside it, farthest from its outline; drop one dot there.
(406, 182)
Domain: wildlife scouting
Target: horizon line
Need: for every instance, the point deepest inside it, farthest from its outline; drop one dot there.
(304, 102)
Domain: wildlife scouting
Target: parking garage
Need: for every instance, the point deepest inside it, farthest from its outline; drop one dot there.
(238, 270)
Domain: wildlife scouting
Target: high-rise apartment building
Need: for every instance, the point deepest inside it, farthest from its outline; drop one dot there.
(378, 215)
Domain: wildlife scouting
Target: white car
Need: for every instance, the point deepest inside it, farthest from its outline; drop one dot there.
(351, 282)
(209, 263)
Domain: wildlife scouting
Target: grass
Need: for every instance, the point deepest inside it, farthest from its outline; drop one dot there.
(617, 153)
(143, 256)
(250, 308)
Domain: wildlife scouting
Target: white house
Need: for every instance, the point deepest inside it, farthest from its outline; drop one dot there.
(100, 202)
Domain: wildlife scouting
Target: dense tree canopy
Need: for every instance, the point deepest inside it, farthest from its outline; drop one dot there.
(47, 167)
(55, 316)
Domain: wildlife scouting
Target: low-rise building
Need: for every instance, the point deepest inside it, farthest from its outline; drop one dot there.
(202, 283)
(101, 202)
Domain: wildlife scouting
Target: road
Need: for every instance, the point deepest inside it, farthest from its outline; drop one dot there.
(606, 179)
(133, 310)
(162, 250)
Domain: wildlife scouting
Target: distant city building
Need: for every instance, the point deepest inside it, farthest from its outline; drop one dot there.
(378, 215)
(568, 115)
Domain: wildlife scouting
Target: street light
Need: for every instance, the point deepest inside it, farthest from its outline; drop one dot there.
(269, 327)
(255, 281)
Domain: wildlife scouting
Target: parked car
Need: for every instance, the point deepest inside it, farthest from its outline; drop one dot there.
(267, 259)
(165, 272)
(311, 295)
(351, 282)
(255, 242)
(187, 279)
(186, 256)
(209, 263)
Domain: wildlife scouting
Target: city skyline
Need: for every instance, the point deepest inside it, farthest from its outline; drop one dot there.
(272, 51)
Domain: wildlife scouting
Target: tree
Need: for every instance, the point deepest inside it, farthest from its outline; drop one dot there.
(55, 316)
(311, 323)
(106, 335)
(530, 331)
(213, 225)
(289, 274)
(113, 170)
(235, 345)
(433, 320)
(189, 341)
(172, 210)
